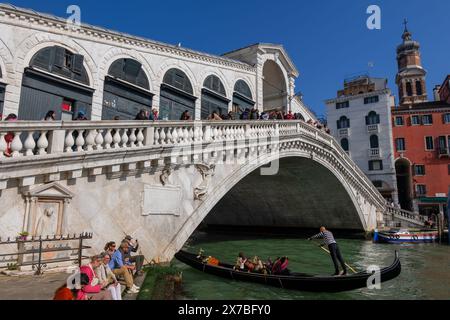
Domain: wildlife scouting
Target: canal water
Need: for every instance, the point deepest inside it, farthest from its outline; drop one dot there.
(425, 269)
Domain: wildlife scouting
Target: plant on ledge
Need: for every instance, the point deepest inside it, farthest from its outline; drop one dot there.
(23, 235)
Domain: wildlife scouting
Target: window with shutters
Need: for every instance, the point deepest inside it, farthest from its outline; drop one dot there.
(62, 62)
(447, 118)
(415, 120)
(242, 87)
(429, 143)
(343, 123)
(427, 119)
(419, 170)
(421, 190)
(400, 144)
(370, 100)
(342, 105)
(178, 79)
(131, 71)
(213, 83)
(399, 121)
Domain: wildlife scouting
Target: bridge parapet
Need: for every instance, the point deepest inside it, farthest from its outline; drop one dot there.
(408, 217)
(53, 148)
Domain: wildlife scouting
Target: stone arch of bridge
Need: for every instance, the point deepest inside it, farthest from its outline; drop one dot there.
(222, 188)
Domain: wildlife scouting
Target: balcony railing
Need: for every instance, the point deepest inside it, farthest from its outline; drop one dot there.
(375, 153)
(344, 132)
(373, 128)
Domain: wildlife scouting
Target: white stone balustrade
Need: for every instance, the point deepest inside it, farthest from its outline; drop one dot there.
(39, 140)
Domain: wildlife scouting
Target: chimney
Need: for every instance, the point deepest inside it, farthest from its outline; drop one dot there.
(436, 93)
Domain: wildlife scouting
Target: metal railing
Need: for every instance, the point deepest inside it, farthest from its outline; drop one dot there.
(38, 247)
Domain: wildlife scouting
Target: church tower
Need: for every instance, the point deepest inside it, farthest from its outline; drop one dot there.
(411, 75)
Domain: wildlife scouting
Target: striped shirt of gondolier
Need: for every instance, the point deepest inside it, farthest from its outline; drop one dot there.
(327, 236)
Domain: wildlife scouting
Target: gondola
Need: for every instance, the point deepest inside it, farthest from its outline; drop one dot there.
(295, 281)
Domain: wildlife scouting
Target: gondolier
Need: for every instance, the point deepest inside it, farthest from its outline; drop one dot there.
(334, 249)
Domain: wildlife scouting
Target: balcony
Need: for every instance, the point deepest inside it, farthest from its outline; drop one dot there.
(344, 132)
(375, 153)
(373, 128)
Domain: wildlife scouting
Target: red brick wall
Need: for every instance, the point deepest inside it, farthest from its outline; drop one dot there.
(436, 179)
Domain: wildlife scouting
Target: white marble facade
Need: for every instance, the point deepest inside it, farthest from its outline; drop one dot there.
(23, 33)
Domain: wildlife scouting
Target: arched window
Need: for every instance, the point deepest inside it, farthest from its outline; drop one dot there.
(178, 79)
(345, 144)
(213, 83)
(419, 89)
(242, 97)
(242, 87)
(176, 95)
(62, 62)
(131, 71)
(372, 118)
(57, 80)
(126, 91)
(409, 89)
(374, 142)
(343, 123)
(214, 97)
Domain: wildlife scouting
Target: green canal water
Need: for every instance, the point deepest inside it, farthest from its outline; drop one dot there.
(425, 269)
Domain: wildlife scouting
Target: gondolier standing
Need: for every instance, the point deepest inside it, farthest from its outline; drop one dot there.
(333, 247)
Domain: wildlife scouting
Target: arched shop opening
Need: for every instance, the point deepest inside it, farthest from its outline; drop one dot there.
(2, 95)
(242, 97)
(126, 91)
(55, 80)
(275, 87)
(214, 97)
(403, 171)
(177, 95)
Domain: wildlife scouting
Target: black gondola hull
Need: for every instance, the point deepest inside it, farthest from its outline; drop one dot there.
(299, 282)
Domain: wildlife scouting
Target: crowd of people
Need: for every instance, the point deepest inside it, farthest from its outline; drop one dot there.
(277, 267)
(102, 278)
(145, 115)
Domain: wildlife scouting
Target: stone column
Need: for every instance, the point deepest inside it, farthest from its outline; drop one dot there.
(32, 216)
(291, 91)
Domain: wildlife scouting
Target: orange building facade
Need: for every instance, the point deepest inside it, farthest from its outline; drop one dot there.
(421, 133)
(422, 158)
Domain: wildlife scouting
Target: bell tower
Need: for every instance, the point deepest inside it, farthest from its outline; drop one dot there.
(411, 75)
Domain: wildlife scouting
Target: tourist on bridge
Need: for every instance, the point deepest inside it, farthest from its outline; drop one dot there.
(50, 116)
(142, 115)
(333, 247)
(154, 115)
(185, 116)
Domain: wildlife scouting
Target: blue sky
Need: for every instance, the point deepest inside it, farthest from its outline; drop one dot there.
(327, 40)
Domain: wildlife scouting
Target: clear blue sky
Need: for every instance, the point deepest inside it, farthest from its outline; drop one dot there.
(327, 40)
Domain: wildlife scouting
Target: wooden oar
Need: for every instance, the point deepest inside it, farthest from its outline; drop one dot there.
(348, 266)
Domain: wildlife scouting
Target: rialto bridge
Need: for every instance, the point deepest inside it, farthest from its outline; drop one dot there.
(159, 181)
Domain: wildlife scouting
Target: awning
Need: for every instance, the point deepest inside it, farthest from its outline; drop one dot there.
(433, 200)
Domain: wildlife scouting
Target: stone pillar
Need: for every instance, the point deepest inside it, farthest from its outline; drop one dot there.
(56, 141)
(260, 83)
(291, 91)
